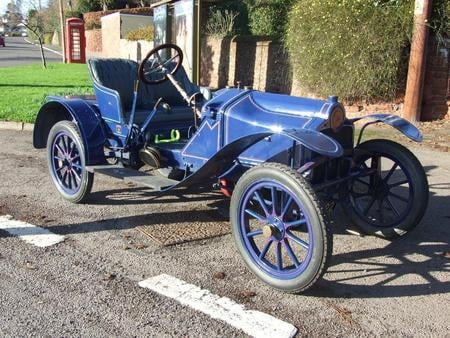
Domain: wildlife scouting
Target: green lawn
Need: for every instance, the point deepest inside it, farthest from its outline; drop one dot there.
(23, 89)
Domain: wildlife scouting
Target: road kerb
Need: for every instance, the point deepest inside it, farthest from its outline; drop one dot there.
(11, 125)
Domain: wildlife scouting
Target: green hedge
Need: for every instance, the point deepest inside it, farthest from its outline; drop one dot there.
(350, 48)
(268, 17)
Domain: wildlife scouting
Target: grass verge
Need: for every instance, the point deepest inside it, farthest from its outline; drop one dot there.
(23, 89)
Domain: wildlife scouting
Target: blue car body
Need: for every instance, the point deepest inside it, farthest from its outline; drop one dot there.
(281, 159)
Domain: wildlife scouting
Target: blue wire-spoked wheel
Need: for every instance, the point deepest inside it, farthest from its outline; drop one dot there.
(66, 159)
(393, 198)
(279, 227)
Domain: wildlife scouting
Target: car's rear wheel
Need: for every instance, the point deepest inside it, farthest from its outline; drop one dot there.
(391, 200)
(279, 227)
(67, 162)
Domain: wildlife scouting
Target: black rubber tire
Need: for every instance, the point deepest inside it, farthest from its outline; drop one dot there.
(322, 232)
(419, 182)
(87, 179)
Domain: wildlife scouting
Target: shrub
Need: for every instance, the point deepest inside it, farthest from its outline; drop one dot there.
(237, 8)
(90, 25)
(268, 17)
(142, 33)
(221, 23)
(350, 48)
(440, 19)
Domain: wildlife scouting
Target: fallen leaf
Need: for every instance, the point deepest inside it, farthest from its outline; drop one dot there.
(219, 275)
(246, 294)
(109, 276)
(29, 265)
(140, 246)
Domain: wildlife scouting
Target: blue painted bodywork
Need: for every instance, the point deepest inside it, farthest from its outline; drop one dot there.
(84, 113)
(247, 126)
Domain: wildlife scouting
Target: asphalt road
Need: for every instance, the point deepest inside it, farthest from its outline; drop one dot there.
(88, 284)
(18, 52)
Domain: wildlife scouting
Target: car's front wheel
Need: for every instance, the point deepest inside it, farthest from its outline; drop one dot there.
(67, 162)
(392, 197)
(279, 227)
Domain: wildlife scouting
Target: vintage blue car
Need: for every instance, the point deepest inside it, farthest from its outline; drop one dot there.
(284, 161)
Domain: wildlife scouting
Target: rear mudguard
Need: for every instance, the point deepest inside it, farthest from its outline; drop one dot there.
(76, 110)
(225, 158)
(402, 125)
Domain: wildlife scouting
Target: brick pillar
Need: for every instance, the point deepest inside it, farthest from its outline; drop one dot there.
(436, 87)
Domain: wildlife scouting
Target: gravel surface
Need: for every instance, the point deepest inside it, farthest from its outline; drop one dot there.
(88, 285)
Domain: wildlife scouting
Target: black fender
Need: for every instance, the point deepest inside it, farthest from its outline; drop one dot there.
(402, 125)
(81, 113)
(225, 157)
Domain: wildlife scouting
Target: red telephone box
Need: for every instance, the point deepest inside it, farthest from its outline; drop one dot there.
(75, 41)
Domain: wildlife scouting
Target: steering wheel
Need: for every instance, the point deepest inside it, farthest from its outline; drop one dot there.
(156, 66)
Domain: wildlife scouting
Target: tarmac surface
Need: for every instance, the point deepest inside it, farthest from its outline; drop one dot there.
(19, 52)
(88, 284)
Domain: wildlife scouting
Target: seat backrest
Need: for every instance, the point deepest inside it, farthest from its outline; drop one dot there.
(116, 74)
(121, 74)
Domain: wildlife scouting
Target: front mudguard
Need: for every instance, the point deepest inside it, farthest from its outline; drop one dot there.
(402, 125)
(79, 111)
(221, 162)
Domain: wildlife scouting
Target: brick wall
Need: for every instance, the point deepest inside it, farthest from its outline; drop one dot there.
(93, 41)
(437, 82)
(257, 62)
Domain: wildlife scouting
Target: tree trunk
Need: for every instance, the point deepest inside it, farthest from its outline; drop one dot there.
(44, 63)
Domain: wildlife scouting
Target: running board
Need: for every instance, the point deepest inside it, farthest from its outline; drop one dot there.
(157, 183)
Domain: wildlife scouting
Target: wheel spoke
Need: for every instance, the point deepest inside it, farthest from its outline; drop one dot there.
(388, 176)
(295, 223)
(380, 210)
(76, 175)
(77, 166)
(291, 253)
(362, 182)
(64, 177)
(401, 198)
(357, 195)
(369, 205)
(297, 240)
(59, 149)
(376, 163)
(255, 215)
(66, 143)
(274, 200)
(265, 248)
(58, 158)
(392, 207)
(396, 184)
(286, 206)
(262, 203)
(255, 233)
(279, 257)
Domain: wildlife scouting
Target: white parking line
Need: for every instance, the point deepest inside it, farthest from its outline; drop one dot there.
(254, 323)
(29, 233)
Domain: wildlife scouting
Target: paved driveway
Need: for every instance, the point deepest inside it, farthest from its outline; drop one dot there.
(88, 285)
(18, 52)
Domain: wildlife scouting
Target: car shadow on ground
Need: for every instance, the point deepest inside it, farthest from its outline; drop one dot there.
(423, 254)
(363, 273)
(142, 195)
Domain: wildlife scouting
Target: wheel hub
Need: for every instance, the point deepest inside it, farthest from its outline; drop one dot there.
(381, 191)
(275, 227)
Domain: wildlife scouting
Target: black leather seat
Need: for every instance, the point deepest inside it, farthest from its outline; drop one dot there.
(119, 75)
